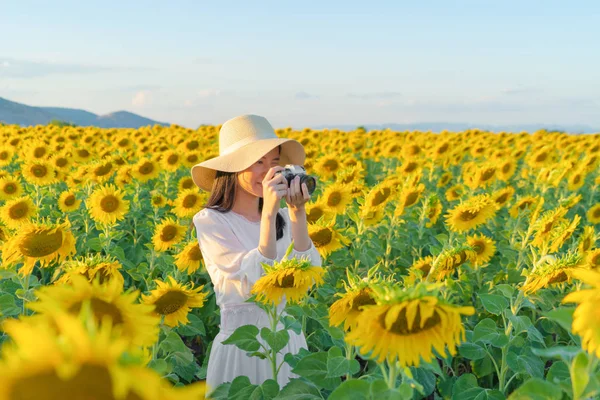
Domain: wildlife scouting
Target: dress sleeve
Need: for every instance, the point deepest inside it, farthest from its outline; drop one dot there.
(312, 253)
(225, 256)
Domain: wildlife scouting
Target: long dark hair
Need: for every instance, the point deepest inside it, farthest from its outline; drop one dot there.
(222, 197)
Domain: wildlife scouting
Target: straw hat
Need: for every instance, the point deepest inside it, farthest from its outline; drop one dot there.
(243, 140)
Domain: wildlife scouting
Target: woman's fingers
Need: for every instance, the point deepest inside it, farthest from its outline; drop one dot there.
(305, 192)
(271, 172)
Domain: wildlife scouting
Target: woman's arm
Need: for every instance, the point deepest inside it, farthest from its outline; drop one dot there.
(267, 244)
(299, 229)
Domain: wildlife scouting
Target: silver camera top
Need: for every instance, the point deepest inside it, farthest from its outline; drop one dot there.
(296, 169)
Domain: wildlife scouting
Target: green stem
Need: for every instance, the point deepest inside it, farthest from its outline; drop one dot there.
(393, 375)
(349, 357)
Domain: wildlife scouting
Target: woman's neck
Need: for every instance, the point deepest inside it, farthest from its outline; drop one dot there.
(246, 204)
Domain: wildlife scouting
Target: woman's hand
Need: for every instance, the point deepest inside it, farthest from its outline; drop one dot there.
(297, 195)
(274, 189)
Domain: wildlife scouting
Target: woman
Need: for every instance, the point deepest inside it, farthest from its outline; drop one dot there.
(241, 227)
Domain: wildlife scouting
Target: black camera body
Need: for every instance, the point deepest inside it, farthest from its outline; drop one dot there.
(290, 171)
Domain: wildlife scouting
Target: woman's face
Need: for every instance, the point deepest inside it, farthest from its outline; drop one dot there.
(251, 178)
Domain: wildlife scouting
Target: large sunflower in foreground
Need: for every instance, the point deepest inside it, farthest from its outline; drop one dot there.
(39, 172)
(347, 309)
(167, 234)
(325, 237)
(551, 270)
(585, 318)
(408, 325)
(471, 213)
(290, 278)
(107, 205)
(17, 212)
(41, 242)
(174, 300)
(190, 258)
(61, 356)
(134, 321)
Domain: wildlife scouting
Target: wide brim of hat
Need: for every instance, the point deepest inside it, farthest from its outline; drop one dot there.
(203, 174)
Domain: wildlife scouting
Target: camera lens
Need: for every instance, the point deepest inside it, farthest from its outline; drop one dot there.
(311, 183)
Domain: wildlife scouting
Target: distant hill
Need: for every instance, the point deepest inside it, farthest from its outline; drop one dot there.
(20, 114)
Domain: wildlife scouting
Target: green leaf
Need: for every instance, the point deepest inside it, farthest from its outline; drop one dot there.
(563, 316)
(241, 388)
(559, 372)
(173, 344)
(565, 353)
(276, 340)
(160, 366)
(244, 338)
(506, 290)
(194, 327)
(537, 389)
(466, 388)
(352, 389)
(314, 368)
(94, 244)
(297, 389)
(486, 331)
(291, 323)
(579, 374)
(7, 306)
(338, 365)
(472, 351)
(494, 303)
(221, 392)
(526, 363)
(270, 389)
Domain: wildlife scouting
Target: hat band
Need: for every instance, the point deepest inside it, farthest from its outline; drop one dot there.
(240, 143)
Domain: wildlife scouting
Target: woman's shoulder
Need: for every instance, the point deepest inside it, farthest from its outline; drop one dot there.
(207, 216)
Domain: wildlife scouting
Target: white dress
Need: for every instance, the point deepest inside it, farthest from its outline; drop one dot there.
(229, 246)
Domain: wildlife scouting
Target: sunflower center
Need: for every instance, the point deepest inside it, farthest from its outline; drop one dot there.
(331, 165)
(193, 145)
(170, 302)
(195, 254)
(596, 213)
(322, 237)
(557, 278)
(61, 162)
(146, 168)
(4, 155)
(381, 196)
(334, 199)
(506, 168)
(47, 385)
(69, 200)
(314, 214)
(286, 282)
(413, 150)
(488, 174)
(587, 244)
(468, 215)
(411, 199)
(39, 152)
(109, 203)
(157, 200)
(187, 184)
(479, 247)
(100, 308)
(83, 153)
(192, 158)
(577, 179)
(502, 198)
(525, 204)
(442, 149)
(41, 243)
(172, 159)
(400, 326)
(39, 171)
(362, 299)
(103, 169)
(168, 233)
(18, 210)
(541, 157)
(9, 188)
(123, 142)
(189, 201)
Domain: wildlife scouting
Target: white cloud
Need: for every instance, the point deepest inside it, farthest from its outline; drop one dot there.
(5, 64)
(142, 98)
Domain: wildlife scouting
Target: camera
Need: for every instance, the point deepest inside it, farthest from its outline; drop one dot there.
(290, 171)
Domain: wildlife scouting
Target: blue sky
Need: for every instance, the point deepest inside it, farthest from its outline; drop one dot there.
(308, 63)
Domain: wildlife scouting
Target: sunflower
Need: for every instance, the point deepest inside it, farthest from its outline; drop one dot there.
(409, 195)
(592, 259)
(423, 264)
(371, 216)
(134, 321)
(471, 213)
(380, 195)
(328, 166)
(484, 247)
(347, 309)
(546, 224)
(325, 237)
(171, 160)
(62, 354)
(587, 240)
(444, 179)
(454, 192)
(593, 214)
(41, 242)
(563, 232)
(100, 171)
(3, 235)
(185, 183)
(188, 202)
(106, 205)
(6, 155)
(506, 169)
(173, 300)
(167, 234)
(10, 188)
(96, 267)
(576, 180)
(39, 172)
(408, 325)
(485, 175)
(316, 210)
(17, 212)
(336, 197)
(145, 169)
(158, 200)
(448, 261)
(433, 210)
(123, 176)
(522, 204)
(190, 258)
(289, 277)
(410, 167)
(67, 202)
(551, 270)
(503, 196)
(585, 321)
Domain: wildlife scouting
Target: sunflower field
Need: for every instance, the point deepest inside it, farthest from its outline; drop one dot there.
(456, 265)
